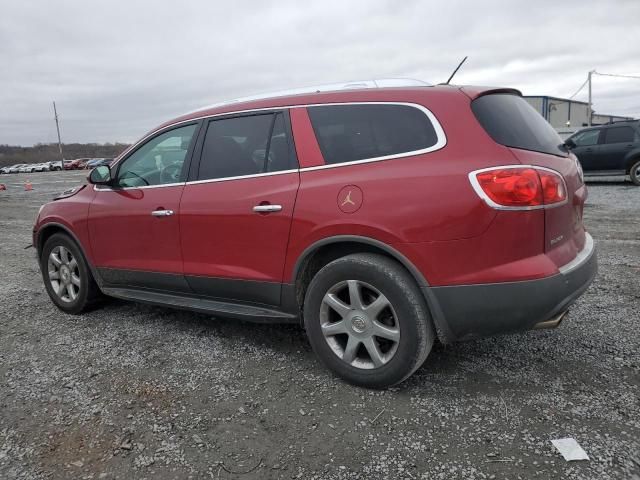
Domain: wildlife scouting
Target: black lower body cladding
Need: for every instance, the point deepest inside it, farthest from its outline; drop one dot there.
(471, 311)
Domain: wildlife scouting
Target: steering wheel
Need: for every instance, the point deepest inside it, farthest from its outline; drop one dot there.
(171, 173)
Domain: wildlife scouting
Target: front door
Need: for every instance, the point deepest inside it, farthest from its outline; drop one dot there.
(587, 148)
(236, 214)
(134, 222)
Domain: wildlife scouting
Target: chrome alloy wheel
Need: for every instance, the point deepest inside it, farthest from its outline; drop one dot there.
(64, 274)
(359, 324)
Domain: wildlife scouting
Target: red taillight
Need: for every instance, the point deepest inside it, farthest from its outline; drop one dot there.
(553, 189)
(519, 187)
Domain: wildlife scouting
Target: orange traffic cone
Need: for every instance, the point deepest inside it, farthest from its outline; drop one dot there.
(2, 186)
(27, 186)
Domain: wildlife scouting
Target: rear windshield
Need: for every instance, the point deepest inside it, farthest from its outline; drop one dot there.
(512, 122)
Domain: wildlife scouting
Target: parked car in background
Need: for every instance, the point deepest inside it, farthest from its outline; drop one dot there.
(381, 219)
(105, 161)
(611, 149)
(5, 170)
(16, 168)
(68, 164)
(95, 162)
(55, 165)
(77, 164)
(92, 163)
(41, 167)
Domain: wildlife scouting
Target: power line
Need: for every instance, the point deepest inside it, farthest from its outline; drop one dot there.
(578, 91)
(604, 75)
(616, 75)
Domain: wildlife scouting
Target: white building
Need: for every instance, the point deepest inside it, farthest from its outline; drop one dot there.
(568, 116)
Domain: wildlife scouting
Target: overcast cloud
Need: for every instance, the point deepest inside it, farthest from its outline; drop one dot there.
(118, 68)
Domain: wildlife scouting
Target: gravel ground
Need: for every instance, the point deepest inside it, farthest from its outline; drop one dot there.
(133, 391)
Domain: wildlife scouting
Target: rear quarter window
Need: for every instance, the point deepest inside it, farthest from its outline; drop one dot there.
(355, 132)
(512, 122)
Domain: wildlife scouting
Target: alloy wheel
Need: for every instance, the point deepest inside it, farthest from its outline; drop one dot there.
(359, 324)
(64, 274)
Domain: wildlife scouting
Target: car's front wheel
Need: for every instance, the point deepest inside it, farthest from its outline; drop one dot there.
(66, 275)
(367, 320)
(634, 173)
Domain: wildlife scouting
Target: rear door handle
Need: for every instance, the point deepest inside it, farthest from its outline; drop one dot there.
(162, 213)
(267, 208)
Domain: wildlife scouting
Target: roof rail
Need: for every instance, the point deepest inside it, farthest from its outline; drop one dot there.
(620, 120)
(327, 87)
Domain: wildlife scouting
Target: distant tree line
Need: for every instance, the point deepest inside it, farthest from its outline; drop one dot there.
(46, 152)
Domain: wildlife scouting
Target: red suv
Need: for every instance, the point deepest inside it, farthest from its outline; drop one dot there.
(380, 219)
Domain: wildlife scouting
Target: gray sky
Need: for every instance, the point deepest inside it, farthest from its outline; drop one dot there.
(118, 68)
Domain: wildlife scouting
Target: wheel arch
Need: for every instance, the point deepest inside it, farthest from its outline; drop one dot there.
(49, 229)
(323, 251)
(369, 244)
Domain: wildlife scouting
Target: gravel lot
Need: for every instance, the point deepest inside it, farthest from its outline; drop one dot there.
(134, 391)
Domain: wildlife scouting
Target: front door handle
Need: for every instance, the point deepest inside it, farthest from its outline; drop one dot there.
(162, 213)
(267, 208)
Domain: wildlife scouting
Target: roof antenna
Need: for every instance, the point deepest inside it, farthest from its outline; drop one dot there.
(456, 70)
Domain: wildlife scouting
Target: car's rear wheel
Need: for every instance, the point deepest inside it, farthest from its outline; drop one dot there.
(66, 275)
(367, 320)
(634, 173)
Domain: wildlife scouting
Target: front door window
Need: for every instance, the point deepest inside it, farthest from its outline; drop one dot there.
(159, 161)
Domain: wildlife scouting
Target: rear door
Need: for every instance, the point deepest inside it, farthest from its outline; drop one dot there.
(236, 210)
(134, 223)
(617, 142)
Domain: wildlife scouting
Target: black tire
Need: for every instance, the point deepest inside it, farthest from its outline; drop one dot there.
(86, 293)
(634, 173)
(378, 276)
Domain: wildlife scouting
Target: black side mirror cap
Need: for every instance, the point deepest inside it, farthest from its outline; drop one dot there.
(100, 175)
(570, 143)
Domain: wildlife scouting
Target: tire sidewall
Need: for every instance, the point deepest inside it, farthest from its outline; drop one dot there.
(81, 301)
(632, 173)
(404, 361)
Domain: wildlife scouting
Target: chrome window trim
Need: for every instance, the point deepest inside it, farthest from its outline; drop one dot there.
(581, 257)
(481, 193)
(441, 142)
(242, 177)
(441, 137)
(99, 188)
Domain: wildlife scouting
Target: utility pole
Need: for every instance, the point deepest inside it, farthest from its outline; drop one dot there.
(589, 108)
(55, 114)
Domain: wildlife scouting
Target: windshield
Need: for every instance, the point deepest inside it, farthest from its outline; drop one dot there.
(512, 122)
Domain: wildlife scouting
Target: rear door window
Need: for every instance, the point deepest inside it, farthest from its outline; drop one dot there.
(245, 145)
(619, 135)
(355, 132)
(512, 122)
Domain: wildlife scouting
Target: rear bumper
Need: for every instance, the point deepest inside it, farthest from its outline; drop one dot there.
(468, 311)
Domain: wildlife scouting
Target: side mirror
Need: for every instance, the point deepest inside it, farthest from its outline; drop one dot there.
(570, 143)
(100, 175)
